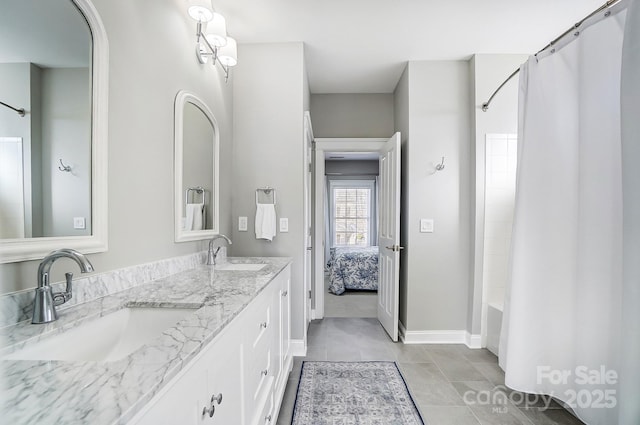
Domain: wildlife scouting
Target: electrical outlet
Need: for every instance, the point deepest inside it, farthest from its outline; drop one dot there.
(284, 225)
(426, 225)
(79, 223)
(242, 224)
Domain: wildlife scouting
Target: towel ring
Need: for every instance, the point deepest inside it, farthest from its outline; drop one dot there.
(198, 189)
(267, 191)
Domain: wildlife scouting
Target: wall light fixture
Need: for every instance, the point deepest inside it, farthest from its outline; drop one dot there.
(212, 41)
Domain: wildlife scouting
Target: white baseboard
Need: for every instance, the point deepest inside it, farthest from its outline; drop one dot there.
(439, 337)
(298, 348)
(473, 340)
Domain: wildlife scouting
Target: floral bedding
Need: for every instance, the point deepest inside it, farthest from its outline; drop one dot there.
(353, 268)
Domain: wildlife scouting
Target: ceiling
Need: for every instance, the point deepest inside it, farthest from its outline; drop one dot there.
(362, 46)
(50, 34)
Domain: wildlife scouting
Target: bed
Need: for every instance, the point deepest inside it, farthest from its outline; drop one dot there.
(353, 268)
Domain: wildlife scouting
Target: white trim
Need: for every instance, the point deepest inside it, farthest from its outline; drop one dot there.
(194, 235)
(308, 240)
(14, 250)
(298, 348)
(439, 337)
(322, 145)
(473, 340)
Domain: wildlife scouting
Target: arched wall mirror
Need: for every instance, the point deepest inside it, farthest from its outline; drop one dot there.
(197, 143)
(53, 177)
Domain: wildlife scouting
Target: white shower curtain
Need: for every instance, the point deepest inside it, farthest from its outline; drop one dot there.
(563, 327)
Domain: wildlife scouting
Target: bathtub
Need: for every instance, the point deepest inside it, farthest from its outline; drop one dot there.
(494, 324)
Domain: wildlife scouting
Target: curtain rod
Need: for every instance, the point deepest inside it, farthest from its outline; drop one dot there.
(19, 111)
(609, 3)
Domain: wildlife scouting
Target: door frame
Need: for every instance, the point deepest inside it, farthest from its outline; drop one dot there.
(321, 146)
(307, 266)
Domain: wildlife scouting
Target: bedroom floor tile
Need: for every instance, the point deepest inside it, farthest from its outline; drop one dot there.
(350, 303)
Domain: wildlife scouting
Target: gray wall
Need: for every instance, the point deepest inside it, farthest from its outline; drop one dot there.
(352, 115)
(347, 167)
(401, 120)
(435, 266)
(268, 110)
(66, 130)
(144, 78)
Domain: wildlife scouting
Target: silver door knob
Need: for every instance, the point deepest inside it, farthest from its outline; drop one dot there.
(395, 248)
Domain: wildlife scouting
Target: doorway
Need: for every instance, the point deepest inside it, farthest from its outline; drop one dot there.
(388, 197)
(351, 234)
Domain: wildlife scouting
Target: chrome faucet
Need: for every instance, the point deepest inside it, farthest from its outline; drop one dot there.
(211, 255)
(45, 302)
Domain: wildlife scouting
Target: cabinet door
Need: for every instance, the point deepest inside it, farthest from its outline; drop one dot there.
(224, 385)
(284, 334)
(179, 402)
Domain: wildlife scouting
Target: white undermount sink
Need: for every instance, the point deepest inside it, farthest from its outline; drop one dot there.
(240, 266)
(109, 338)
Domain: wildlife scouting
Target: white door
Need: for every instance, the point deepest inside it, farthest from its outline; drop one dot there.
(308, 152)
(389, 236)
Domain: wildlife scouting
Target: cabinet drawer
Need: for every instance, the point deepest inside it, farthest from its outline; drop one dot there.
(265, 415)
(259, 327)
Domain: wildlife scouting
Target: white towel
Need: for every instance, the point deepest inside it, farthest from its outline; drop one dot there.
(265, 221)
(194, 217)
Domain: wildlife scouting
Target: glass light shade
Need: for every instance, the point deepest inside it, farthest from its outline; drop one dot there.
(216, 32)
(200, 10)
(228, 54)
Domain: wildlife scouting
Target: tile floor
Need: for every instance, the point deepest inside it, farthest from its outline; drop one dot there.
(449, 383)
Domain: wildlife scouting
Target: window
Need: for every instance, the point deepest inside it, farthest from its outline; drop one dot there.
(352, 212)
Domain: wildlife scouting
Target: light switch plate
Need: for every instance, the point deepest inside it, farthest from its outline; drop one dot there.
(284, 224)
(242, 224)
(79, 223)
(426, 225)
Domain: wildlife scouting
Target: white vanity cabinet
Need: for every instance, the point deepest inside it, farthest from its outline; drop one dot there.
(207, 391)
(240, 376)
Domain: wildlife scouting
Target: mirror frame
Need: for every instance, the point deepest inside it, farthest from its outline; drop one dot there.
(181, 235)
(15, 250)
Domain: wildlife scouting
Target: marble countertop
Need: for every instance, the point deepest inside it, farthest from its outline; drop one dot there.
(74, 392)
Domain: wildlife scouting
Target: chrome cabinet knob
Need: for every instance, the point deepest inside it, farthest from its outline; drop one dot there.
(211, 409)
(267, 418)
(265, 372)
(285, 293)
(208, 411)
(216, 398)
(263, 325)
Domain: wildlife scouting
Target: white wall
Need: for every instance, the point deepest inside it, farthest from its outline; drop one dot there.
(352, 115)
(150, 60)
(500, 196)
(488, 72)
(268, 110)
(435, 274)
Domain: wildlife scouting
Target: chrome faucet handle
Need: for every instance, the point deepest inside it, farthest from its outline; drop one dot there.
(62, 297)
(45, 301)
(211, 254)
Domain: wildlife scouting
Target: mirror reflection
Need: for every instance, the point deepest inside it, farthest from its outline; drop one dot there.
(196, 169)
(45, 155)
(197, 174)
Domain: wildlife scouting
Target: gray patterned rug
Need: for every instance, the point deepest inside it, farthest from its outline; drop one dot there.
(353, 393)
